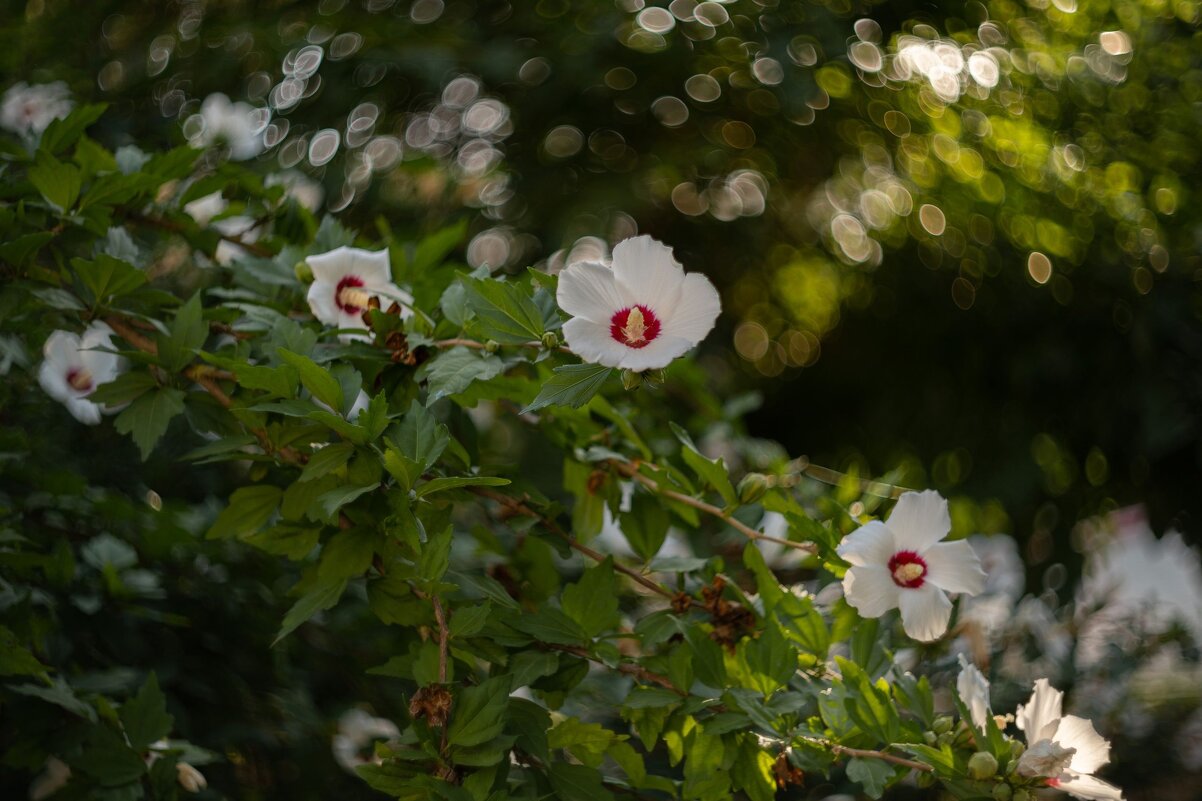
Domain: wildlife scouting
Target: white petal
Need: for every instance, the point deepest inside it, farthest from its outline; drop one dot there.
(925, 611)
(870, 544)
(374, 267)
(361, 402)
(321, 302)
(1090, 788)
(388, 293)
(919, 520)
(84, 411)
(332, 266)
(647, 273)
(1092, 749)
(870, 589)
(955, 567)
(53, 379)
(593, 343)
(1039, 717)
(590, 291)
(694, 315)
(973, 689)
(350, 320)
(658, 353)
(62, 349)
(103, 366)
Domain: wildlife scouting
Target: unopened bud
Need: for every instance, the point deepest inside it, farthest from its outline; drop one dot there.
(942, 725)
(654, 378)
(1020, 795)
(945, 738)
(190, 778)
(631, 379)
(752, 487)
(929, 737)
(303, 272)
(1002, 792)
(924, 778)
(491, 346)
(982, 765)
(549, 340)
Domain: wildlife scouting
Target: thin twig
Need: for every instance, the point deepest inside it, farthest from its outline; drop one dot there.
(444, 635)
(638, 671)
(802, 466)
(865, 753)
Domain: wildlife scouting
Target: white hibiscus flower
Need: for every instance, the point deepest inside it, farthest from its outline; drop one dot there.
(29, 110)
(640, 314)
(357, 732)
(1065, 750)
(902, 564)
(345, 280)
(238, 126)
(973, 689)
(74, 368)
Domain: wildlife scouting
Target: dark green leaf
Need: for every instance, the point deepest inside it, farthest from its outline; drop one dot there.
(504, 311)
(249, 509)
(59, 183)
(477, 715)
(323, 595)
(148, 416)
(419, 437)
(454, 371)
(317, 380)
(572, 385)
(593, 601)
(145, 717)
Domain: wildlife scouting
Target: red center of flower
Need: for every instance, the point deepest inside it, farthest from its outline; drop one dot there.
(634, 327)
(908, 569)
(1053, 782)
(80, 380)
(349, 297)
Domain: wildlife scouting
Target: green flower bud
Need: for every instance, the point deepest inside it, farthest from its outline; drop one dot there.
(942, 725)
(491, 346)
(303, 272)
(945, 738)
(1002, 792)
(753, 486)
(550, 340)
(631, 379)
(982, 765)
(930, 737)
(1020, 795)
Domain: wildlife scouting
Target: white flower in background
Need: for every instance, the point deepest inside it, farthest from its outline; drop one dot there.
(902, 564)
(973, 689)
(28, 110)
(299, 187)
(238, 126)
(204, 209)
(73, 369)
(345, 280)
(357, 732)
(54, 777)
(188, 776)
(1064, 749)
(640, 314)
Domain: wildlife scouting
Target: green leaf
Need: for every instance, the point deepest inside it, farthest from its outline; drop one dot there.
(123, 389)
(469, 620)
(454, 371)
(187, 334)
(278, 381)
(436, 555)
(322, 596)
(59, 183)
(419, 437)
(317, 380)
(577, 783)
(347, 554)
(17, 251)
(58, 693)
(549, 624)
(572, 385)
(60, 134)
(645, 526)
(479, 712)
(504, 311)
(148, 416)
(708, 663)
(529, 722)
(108, 759)
(710, 471)
(249, 509)
(289, 540)
(872, 774)
(593, 601)
(333, 500)
(15, 658)
(431, 251)
(107, 277)
(457, 482)
(327, 460)
(145, 717)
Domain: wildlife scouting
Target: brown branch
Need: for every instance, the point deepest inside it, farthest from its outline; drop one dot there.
(444, 635)
(638, 671)
(864, 753)
(632, 471)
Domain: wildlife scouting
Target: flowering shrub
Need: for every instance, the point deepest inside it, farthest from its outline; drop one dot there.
(417, 439)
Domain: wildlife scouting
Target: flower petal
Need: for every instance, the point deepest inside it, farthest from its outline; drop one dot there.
(694, 315)
(955, 567)
(62, 349)
(919, 520)
(589, 290)
(103, 365)
(332, 266)
(374, 267)
(593, 343)
(925, 611)
(1092, 749)
(1039, 717)
(53, 379)
(84, 411)
(321, 302)
(973, 689)
(870, 589)
(870, 544)
(1090, 788)
(659, 353)
(647, 273)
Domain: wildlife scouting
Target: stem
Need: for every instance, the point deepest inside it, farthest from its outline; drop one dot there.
(631, 471)
(843, 750)
(638, 671)
(444, 634)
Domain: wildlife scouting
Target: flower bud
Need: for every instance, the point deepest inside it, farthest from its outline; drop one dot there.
(1020, 795)
(982, 765)
(631, 379)
(491, 346)
(190, 778)
(753, 486)
(929, 737)
(1002, 792)
(303, 272)
(549, 340)
(924, 778)
(945, 739)
(942, 725)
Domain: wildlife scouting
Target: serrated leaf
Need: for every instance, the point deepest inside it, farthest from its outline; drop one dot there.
(59, 183)
(144, 717)
(593, 601)
(577, 783)
(871, 774)
(504, 311)
(331, 501)
(478, 714)
(249, 509)
(123, 389)
(645, 526)
(347, 554)
(419, 437)
(458, 482)
(322, 596)
(327, 460)
(710, 471)
(58, 693)
(288, 540)
(15, 658)
(147, 418)
(61, 133)
(549, 624)
(454, 371)
(186, 335)
(320, 383)
(572, 385)
(107, 277)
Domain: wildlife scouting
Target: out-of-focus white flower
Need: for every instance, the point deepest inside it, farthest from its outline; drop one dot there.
(299, 187)
(613, 540)
(902, 564)
(188, 776)
(28, 110)
(238, 126)
(73, 368)
(204, 209)
(986, 616)
(357, 731)
(640, 314)
(1063, 749)
(54, 777)
(973, 689)
(344, 281)
(243, 228)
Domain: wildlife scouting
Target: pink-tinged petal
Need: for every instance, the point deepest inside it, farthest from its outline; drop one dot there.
(590, 291)
(870, 589)
(659, 353)
(53, 379)
(693, 317)
(62, 350)
(919, 520)
(592, 342)
(331, 267)
(955, 567)
(647, 273)
(870, 544)
(84, 411)
(1092, 749)
(1039, 717)
(925, 611)
(322, 303)
(1090, 788)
